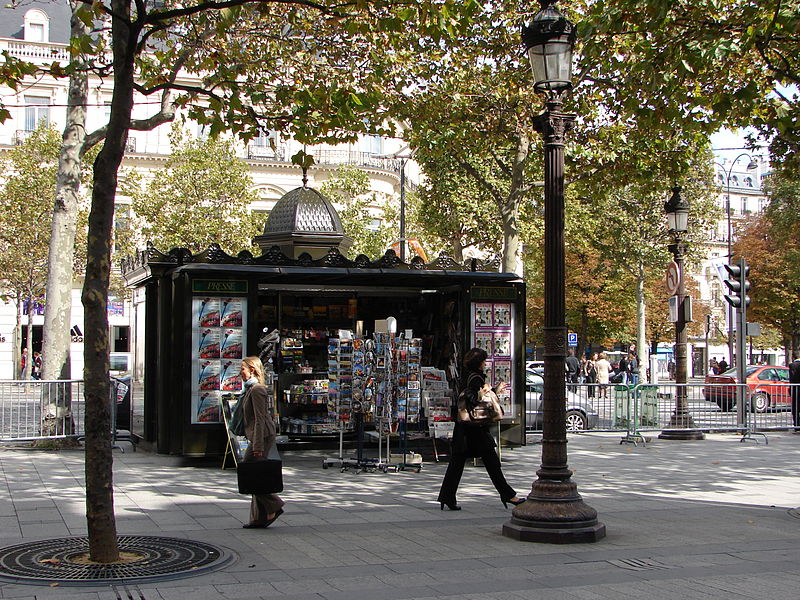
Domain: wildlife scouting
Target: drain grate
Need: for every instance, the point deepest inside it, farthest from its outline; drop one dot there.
(638, 564)
(52, 561)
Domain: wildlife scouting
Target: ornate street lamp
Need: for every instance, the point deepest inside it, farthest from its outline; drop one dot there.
(751, 166)
(554, 511)
(681, 425)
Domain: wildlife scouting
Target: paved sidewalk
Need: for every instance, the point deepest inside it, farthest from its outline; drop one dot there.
(689, 520)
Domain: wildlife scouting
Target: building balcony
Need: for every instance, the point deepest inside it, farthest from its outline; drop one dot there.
(21, 135)
(36, 52)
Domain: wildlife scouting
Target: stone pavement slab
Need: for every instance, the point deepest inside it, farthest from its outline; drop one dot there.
(691, 520)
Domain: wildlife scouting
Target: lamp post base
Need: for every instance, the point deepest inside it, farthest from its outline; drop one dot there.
(682, 434)
(554, 513)
(681, 427)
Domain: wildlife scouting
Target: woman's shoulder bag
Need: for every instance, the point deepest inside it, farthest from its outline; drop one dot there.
(236, 424)
(478, 408)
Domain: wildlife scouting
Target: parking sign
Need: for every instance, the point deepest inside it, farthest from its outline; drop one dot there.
(572, 339)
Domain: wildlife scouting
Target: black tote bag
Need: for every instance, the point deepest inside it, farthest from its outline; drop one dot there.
(261, 476)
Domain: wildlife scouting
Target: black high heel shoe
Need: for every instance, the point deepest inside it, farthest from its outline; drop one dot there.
(516, 502)
(450, 505)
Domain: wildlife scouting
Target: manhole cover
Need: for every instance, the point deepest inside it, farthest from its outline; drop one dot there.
(57, 561)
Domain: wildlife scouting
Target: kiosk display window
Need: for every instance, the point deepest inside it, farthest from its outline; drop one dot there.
(218, 340)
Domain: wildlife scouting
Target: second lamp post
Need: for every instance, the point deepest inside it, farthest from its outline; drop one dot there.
(681, 424)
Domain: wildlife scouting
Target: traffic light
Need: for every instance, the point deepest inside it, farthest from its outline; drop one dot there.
(738, 285)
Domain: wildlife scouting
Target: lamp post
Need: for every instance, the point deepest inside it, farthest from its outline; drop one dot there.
(681, 425)
(554, 511)
(403, 161)
(752, 165)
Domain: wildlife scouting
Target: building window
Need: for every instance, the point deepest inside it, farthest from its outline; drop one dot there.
(263, 139)
(122, 217)
(744, 205)
(748, 181)
(735, 180)
(37, 26)
(371, 144)
(37, 112)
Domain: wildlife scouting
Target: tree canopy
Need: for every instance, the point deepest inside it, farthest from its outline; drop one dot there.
(201, 196)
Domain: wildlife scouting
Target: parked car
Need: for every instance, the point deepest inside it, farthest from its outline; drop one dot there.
(537, 366)
(581, 415)
(121, 391)
(768, 386)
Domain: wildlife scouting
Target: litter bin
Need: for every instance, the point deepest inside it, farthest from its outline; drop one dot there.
(647, 399)
(622, 405)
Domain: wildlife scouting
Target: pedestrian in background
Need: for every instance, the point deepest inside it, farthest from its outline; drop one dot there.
(590, 374)
(36, 373)
(622, 370)
(794, 379)
(723, 365)
(633, 368)
(23, 363)
(714, 366)
(603, 371)
(259, 428)
(471, 440)
(572, 366)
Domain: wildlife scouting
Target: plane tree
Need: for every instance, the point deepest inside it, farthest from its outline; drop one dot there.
(250, 58)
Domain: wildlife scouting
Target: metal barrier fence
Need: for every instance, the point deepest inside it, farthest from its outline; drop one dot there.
(649, 407)
(35, 409)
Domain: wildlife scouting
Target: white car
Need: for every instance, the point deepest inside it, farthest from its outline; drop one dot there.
(581, 415)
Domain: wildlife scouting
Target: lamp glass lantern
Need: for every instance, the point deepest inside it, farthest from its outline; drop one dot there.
(677, 209)
(549, 41)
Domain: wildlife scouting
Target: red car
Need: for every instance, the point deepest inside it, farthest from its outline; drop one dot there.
(768, 384)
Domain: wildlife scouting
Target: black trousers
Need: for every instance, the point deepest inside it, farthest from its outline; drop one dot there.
(455, 469)
(795, 391)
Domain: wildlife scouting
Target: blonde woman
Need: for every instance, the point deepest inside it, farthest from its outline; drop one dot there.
(259, 428)
(603, 368)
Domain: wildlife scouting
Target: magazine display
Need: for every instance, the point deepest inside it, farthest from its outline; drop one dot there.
(492, 331)
(218, 341)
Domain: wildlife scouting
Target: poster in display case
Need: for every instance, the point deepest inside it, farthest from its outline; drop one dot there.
(493, 331)
(218, 340)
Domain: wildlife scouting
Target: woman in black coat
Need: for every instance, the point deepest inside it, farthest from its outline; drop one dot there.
(474, 441)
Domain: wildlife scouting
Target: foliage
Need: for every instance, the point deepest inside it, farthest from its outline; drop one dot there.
(770, 243)
(201, 196)
(358, 208)
(698, 65)
(452, 211)
(26, 202)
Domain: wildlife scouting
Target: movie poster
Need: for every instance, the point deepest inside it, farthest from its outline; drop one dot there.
(218, 347)
(493, 331)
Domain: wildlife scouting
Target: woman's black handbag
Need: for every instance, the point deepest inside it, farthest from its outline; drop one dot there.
(261, 476)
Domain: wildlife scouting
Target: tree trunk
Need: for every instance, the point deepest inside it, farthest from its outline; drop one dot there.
(29, 341)
(58, 309)
(99, 462)
(512, 249)
(57, 316)
(458, 249)
(16, 371)
(642, 350)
